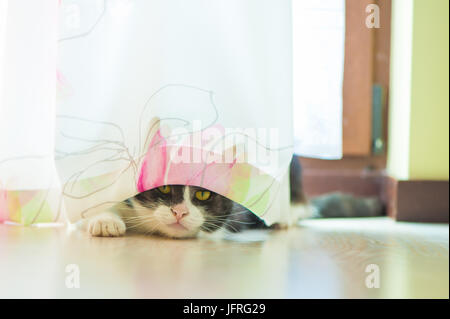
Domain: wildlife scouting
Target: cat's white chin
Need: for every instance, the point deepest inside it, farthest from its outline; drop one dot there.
(178, 226)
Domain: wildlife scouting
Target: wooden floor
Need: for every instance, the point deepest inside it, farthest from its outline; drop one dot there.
(318, 259)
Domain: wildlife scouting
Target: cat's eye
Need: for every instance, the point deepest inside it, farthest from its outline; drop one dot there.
(202, 195)
(164, 189)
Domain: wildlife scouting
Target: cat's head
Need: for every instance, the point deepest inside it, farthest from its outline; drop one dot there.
(180, 211)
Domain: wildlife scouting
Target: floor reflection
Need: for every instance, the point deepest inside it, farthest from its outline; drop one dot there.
(318, 259)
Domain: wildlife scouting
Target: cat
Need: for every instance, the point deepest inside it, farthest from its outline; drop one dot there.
(175, 211)
(179, 211)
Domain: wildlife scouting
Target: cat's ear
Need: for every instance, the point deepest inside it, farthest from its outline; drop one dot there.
(151, 129)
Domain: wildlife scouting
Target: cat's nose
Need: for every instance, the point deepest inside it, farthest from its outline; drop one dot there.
(179, 211)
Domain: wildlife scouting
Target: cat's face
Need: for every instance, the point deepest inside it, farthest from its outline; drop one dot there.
(181, 211)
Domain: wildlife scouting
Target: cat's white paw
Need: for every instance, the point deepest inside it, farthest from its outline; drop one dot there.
(106, 225)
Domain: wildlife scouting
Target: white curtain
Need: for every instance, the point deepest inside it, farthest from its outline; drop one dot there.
(318, 48)
(28, 51)
(102, 99)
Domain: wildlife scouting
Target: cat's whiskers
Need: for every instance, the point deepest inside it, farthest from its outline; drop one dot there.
(227, 223)
(233, 214)
(152, 230)
(207, 228)
(138, 217)
(230, 221)
(139, 221)
(135, 217)
(216, 226)
(139, 209)
(225, 226)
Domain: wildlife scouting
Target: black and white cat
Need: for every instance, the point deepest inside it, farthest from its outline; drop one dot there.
(179, 211)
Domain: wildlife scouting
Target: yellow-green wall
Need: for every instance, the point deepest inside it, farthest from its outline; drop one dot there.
(419, 94)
